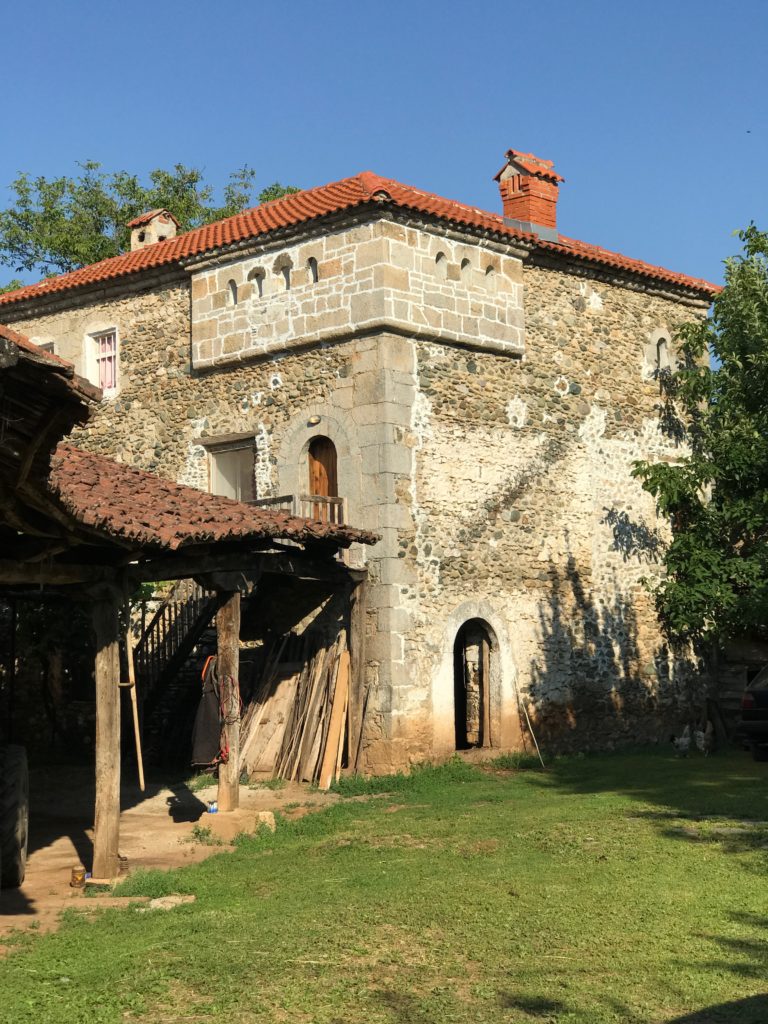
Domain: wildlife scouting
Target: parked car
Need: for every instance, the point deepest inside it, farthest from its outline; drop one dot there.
(753, 724)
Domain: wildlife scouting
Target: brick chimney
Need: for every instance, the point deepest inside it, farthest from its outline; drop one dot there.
(151, 227)
(529, 189)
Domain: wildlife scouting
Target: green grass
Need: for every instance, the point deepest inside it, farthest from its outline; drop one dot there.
(608, 889)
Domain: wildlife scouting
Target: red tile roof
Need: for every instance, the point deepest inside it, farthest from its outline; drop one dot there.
(533, 164)
(145, 218)
(346, 195)
(80, 385)
(136, 506)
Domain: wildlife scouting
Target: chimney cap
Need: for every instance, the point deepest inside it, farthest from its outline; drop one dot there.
(146, 218)
(528, 163)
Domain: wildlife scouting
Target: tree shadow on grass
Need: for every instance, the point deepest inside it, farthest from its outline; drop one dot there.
(728, 786)
(752, 1010)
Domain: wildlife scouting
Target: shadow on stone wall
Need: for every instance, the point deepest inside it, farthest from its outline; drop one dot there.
(592, 685)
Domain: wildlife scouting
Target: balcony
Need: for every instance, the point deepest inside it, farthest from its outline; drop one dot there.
(309, 506)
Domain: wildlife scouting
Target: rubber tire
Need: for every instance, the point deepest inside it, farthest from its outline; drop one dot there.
(14, 815)
(759, 751)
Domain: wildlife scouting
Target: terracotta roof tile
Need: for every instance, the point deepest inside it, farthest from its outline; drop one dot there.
(145, 218)
(137, 506)
(78, 384)
(301, 207)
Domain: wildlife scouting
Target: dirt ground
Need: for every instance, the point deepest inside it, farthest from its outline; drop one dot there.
(156, 831)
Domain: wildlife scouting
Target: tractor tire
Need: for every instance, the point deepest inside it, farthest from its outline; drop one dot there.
(14, 815)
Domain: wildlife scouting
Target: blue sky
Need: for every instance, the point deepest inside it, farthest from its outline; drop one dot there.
(655, 113)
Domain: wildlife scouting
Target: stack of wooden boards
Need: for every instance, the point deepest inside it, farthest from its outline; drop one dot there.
(295, 726)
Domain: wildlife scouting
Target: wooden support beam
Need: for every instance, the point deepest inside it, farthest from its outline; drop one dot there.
(189, 564)
(228, 665)
(37, 573)
(106, 831)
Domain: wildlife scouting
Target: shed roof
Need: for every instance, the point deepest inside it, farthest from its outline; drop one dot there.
(132, 505)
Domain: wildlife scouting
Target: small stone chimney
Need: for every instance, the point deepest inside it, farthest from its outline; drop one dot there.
(529, 189)
(155, 226)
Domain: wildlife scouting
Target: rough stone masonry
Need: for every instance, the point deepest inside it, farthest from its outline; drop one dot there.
(487, 395)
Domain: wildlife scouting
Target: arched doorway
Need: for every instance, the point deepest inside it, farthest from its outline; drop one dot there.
(472, 653)
(323, 478)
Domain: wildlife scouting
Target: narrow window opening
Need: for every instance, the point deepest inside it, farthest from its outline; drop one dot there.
(142, 236)
(232, 292)
(441, 266)
(313, 270)
(256, 277)
(286, 272)
(465, 269)
(662, 354)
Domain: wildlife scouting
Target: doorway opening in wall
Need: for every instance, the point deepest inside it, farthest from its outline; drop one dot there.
(323, 499)
(472, 654)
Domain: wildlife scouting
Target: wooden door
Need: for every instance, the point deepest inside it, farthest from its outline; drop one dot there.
(322, 475)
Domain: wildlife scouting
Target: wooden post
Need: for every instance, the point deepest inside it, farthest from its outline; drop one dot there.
(106, 830)
(228, 649)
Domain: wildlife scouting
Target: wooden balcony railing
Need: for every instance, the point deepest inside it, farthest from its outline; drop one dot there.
(309, 506)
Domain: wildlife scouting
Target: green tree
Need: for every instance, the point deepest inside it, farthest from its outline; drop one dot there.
(55, 225)
(716, 494)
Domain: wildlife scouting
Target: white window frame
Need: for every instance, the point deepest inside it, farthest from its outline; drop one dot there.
(93, 360)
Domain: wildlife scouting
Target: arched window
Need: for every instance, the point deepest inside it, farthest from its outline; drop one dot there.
(323, 479)
(231, 292)
(472, 653)
(441, 266)
(282, 268)
(312, 268)
(256, 277)
(490, 277)
(466, 267)
(662, 354)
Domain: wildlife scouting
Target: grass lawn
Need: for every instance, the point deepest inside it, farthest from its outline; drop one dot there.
(616, 888)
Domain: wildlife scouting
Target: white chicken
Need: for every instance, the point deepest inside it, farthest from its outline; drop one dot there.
(682, 743)
(705, 739)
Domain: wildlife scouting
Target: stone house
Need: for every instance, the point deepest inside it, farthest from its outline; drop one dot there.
(472, 386)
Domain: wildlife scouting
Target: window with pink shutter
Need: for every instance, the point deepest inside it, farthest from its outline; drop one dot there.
(106, 360)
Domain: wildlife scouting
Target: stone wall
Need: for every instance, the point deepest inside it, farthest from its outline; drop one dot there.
(525, 514)
(376, 276)
(500, 485)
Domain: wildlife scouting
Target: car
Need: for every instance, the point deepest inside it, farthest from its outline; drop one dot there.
(753, 724)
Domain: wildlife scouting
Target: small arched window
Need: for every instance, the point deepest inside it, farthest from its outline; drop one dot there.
(466, 267)
(441, 266)
(256, 277)
(283, 266)
(231, 292)
(490, 277)
(312, 269)
(662, 354)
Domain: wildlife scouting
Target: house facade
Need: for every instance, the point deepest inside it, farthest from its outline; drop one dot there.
(474, 387)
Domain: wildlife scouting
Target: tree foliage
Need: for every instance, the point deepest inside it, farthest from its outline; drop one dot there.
(55, 225)
(716, 495)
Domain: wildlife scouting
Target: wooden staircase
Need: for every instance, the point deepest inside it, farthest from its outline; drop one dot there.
(165, 675)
